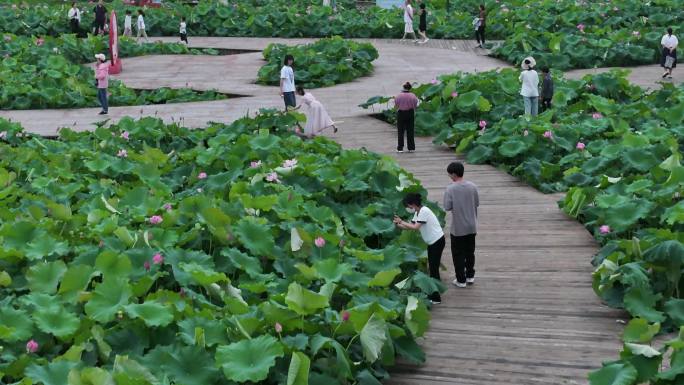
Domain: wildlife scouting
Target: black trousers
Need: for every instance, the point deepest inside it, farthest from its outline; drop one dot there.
(545, 104)
(405, 123)
(74, 26)
(480, 34)
(463, 253)
(434, 252)
(184, 37)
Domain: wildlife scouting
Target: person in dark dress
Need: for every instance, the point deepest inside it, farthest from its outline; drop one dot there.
(406, 103)
(100, 13)
(668, 61)
(546, 89)
(422, 27)
(480, 32)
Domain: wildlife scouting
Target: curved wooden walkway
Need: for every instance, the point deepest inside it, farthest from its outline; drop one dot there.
(531, 317)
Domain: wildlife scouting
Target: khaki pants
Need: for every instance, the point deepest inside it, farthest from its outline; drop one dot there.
(142, 33)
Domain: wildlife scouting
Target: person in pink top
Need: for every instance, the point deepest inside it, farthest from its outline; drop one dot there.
(406, 103)
(102, 81)
(317, 118)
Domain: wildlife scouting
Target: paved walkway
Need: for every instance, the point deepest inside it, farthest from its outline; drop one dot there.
(531, 317)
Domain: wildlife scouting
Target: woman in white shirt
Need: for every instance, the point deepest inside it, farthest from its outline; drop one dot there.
(408, 21)
(141, 26)
(669, 43)
(425, 221)
(530, 87)
(75, 18)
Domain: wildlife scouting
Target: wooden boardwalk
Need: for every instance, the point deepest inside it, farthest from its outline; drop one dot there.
(531, 317)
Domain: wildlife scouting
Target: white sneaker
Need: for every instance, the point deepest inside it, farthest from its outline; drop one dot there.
(458, 284)
(470, 281)
(426, 40)
(433, 302)
(410, 151)
(400, 150)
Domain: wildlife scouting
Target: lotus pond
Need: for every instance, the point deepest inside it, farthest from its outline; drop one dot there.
(145, 253)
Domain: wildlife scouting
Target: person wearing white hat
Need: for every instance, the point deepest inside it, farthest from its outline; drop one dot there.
(102, 81)
(530, 86)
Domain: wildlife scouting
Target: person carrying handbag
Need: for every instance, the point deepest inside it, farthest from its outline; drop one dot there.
(668, 61)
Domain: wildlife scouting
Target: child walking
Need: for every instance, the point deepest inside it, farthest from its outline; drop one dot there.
(183, 31)
(141, 26)
(128, 23)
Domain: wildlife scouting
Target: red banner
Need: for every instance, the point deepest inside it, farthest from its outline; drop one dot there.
(115, 67)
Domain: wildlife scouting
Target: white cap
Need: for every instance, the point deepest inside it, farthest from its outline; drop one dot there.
(531, 60)
(101, 57)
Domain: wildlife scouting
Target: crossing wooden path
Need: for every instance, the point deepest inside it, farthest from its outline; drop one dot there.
(530, 318)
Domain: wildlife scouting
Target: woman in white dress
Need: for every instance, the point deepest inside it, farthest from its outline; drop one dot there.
(408, 21)
(317, 118)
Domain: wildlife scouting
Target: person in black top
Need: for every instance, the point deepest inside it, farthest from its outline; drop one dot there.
(422, 27)
(546, 89)
(100, 17)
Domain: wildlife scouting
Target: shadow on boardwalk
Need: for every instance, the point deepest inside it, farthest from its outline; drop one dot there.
(531, 317)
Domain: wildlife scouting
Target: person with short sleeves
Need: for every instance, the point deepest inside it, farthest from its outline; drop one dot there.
(462, 199)
(422, 26)
(184, 31)
(408, 21)
(100, 13)
(425, 221)
(669, 44)
(128, 24)
(406, 103)
(530, 87)
(75, 18)
(287, 82)
(481, 24)
(141, 26)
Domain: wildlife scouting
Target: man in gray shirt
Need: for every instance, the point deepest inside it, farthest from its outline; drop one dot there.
(461, 198)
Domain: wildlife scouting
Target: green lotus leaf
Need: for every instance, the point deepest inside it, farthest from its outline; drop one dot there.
(44, 277)
(202, 275)
(108, 298)
(54, 373)
(255, 236)
(384, 278)
(113, 265)
(468, 100)
(331, 270)
(249, 360)
(60, 323)
(182, 365)
(640, 159)
(304, 301)
(674, 308)
(641, 302)
(626, 214)
(45, 246)
(90, 376)
(642, 350)
(373, 337)
(298, 372)
(417, 316)
(512, 147)
(479, 154)
(614, 374)
(640, 330)
(153, 313)
(15, 325)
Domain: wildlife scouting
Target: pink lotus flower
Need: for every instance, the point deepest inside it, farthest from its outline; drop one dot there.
(604, 229)
(580, 27)
(124, 135)
(580, 146)
(596, 115)
(483, 124)
(255, 164)
(454, 94)
(548, 134)
(158, 259)
(31, 346)
(122, 153)
(525, 133)
(320, 242)
(168, 207)
(278, 327)
(272, 177)
(345, 316)
(289, 163)
(40, 41)
(156, 219)
(434, 81)
(202, 175)
(147, 265)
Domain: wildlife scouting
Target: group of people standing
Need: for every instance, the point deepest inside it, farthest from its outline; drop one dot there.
(100, 26)
(479, 23)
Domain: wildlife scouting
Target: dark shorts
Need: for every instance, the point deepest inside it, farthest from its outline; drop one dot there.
(422, 27)
(289, 98)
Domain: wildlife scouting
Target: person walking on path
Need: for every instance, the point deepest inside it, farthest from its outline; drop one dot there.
(425, 221)
(75, 19)
(317, 118)
(422, 27)
(100, 13)
(462, 199)
(128, 24)
(408, 21)
(530, 87)
(287, 82)
(669, 43)
(184, 31)
(102, 80)
(546, 89)
(141, 26)
(406, 103)
(480, 30)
